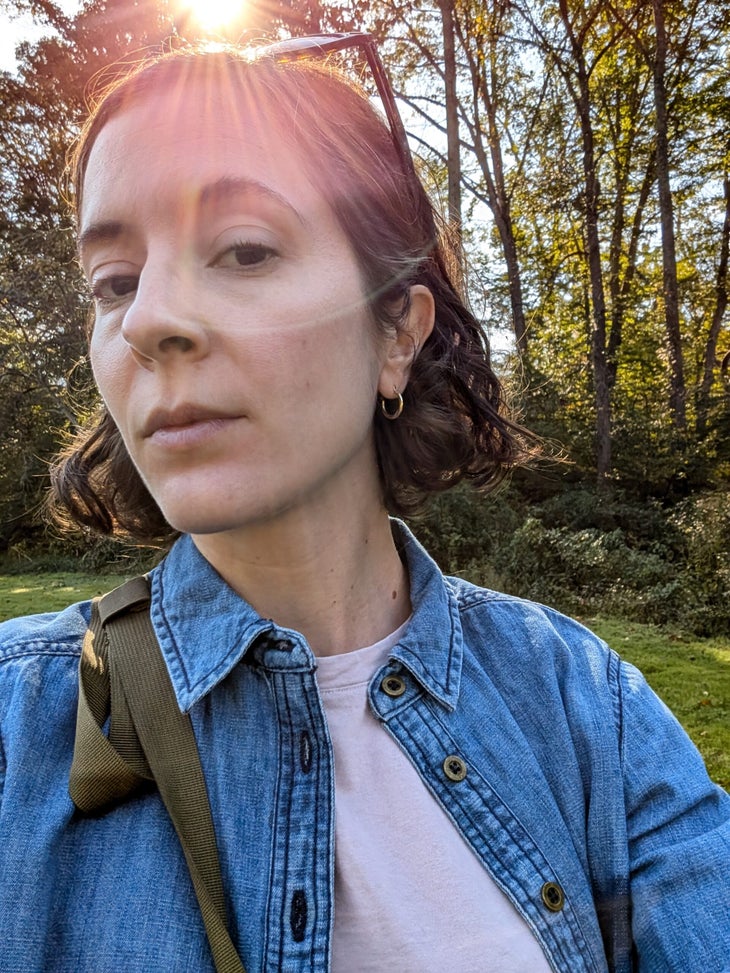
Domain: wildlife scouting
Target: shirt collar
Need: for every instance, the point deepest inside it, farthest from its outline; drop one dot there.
(432, 647)
(205, 628)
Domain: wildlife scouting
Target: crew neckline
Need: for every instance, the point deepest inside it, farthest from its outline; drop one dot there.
(356, 667)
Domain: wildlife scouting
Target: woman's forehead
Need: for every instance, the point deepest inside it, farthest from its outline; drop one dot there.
(199, 134)
(165, 163)
(208, 106)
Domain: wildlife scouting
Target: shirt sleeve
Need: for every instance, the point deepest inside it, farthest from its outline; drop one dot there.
(678, 824)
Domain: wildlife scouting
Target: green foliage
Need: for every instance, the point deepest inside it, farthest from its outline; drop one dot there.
(47, 550)
(43, 380)
(464, 533)
(651, 565)
(704, 525)
(546, 84)
(584, 551)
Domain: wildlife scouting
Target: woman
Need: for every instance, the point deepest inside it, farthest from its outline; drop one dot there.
(403, 771)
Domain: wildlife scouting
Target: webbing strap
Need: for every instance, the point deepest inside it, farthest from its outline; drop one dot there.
(100, 777)
(149, 739)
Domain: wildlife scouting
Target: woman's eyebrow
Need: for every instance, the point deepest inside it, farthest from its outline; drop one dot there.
(103, 232)
(222, 191)
(228, 188)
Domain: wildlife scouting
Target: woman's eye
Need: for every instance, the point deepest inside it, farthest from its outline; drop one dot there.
(111, 289)
(251, 255)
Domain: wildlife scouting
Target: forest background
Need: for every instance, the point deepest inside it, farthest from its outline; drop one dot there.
(581, 151)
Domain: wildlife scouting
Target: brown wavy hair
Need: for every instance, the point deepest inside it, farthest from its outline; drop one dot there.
(455, 425)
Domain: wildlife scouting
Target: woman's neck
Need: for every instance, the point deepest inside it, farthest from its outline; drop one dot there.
(339, 581)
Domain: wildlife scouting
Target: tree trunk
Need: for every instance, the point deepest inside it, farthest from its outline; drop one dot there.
(721, 299)
(599, 358)
(452, 117)
(621, 283)
(678, 392)
(486, 98)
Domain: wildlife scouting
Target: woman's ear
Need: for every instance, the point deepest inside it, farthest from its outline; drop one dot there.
(402, 349)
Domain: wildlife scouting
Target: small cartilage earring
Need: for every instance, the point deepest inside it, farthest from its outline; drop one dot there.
(398, 399)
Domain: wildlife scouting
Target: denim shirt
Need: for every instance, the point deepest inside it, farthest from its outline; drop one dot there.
(570, 780)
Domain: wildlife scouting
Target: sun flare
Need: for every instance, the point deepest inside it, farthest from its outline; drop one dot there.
(212, 15)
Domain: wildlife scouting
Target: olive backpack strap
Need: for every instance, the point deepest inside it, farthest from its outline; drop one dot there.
(122, 672)
(100, 776)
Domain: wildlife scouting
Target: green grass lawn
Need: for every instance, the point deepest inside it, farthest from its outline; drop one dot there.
(26, 594)
(691, 675)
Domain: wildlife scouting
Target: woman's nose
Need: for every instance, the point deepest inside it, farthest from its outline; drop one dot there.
(165, 321)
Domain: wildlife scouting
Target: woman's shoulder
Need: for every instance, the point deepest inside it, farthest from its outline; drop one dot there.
(59, 632)
(528, 650)
(520, 622)
(39, 661)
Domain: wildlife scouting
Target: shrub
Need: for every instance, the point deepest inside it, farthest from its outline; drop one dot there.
(465, 532)
(585, 552)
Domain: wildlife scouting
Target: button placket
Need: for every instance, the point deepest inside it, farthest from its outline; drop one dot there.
(490, 826)
(299, 908)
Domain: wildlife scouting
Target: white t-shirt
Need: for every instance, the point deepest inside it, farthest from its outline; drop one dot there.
(410, 894)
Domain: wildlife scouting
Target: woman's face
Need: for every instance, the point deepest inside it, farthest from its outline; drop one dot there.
(233, 344)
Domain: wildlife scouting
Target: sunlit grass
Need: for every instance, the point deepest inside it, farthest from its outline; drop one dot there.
(27, 594)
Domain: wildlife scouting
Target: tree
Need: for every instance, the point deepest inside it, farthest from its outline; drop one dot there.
(452, 115)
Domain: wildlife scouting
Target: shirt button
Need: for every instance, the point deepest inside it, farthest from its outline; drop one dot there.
(454, 767)
(393, 686)
(298, 915)
(553, 896)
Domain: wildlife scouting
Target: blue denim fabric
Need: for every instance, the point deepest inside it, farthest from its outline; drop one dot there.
(576, 774)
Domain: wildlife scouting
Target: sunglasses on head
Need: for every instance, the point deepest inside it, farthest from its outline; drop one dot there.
(320, 45)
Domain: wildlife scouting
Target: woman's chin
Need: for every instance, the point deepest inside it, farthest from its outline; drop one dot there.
(195, 516)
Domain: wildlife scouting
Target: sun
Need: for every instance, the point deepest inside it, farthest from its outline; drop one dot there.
(213, 15)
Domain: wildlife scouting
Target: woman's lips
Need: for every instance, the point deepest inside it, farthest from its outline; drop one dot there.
(186, 427)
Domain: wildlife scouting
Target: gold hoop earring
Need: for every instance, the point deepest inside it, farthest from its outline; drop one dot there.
(398, 409)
